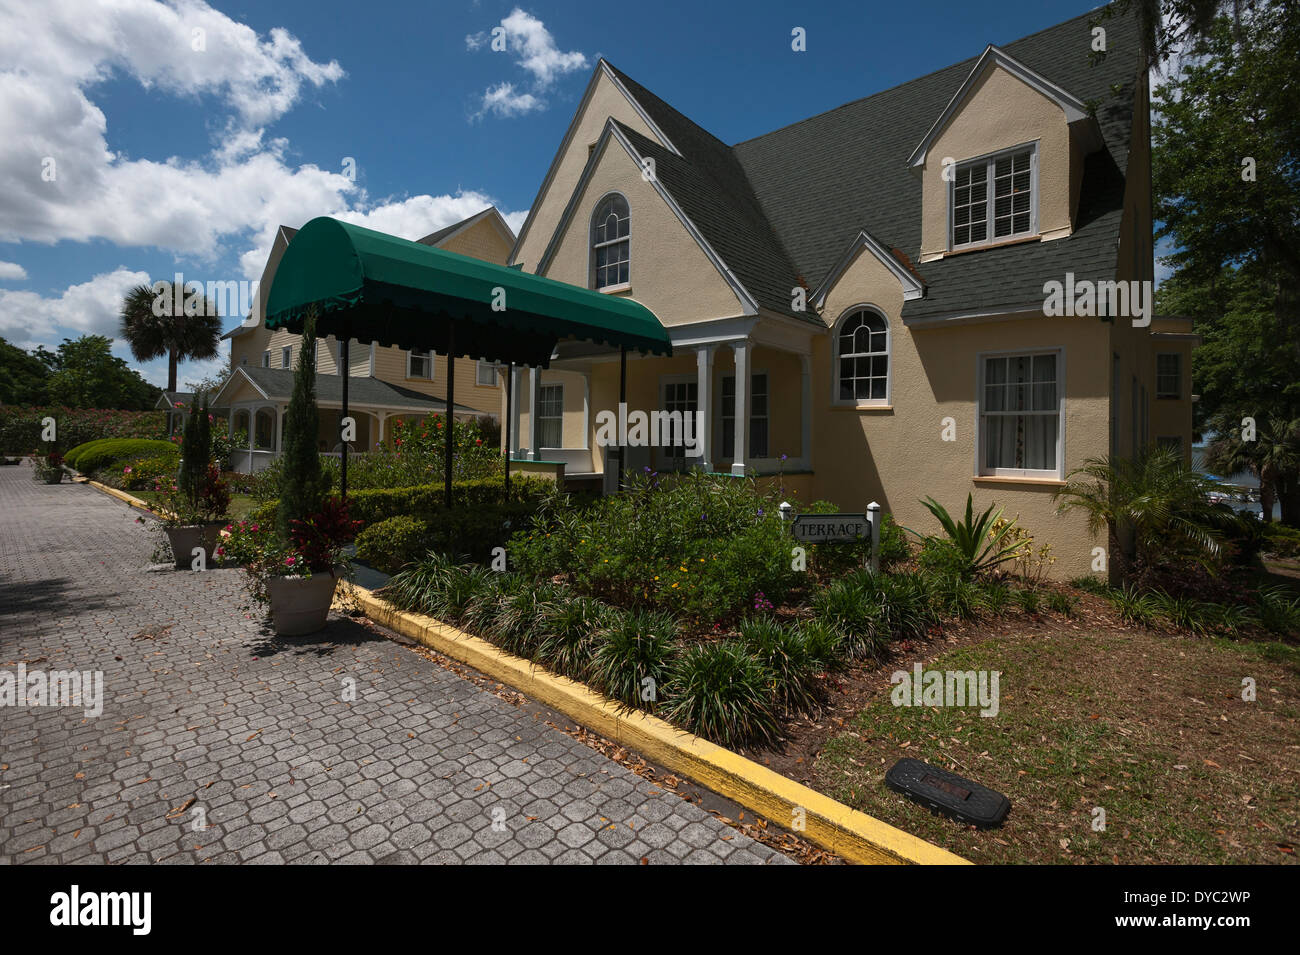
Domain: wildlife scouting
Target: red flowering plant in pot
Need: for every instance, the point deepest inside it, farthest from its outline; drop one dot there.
(294, 564)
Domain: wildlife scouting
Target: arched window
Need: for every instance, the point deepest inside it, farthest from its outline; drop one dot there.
(610, 244)
(862, 351)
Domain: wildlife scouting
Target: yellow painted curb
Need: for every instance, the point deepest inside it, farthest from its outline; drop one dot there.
(850, 834)
(121, 496)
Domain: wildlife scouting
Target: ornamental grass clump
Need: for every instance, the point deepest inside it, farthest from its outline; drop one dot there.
(632, 655)
(792, 661)
(722, 691)
(569, 625)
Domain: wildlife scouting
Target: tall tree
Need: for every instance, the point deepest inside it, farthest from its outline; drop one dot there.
(303, 484)
(1168, 25)
(23, 376)
(165, 322)
(85, 374)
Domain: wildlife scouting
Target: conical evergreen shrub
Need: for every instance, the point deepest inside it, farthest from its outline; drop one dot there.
(303, 484)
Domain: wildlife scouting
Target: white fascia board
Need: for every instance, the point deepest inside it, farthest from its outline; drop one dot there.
(912, 287)
(1075, 109)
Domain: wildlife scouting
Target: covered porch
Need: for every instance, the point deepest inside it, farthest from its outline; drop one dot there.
(258, 399)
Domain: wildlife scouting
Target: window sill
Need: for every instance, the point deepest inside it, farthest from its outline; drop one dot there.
(1008, 479)
(1020, 240)
(612, 289)
(870, 409)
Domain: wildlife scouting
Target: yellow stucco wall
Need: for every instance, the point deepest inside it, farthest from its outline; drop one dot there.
(1001, 111)
(669, 273)
(605, 101)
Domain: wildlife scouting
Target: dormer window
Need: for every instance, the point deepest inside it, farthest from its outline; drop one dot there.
(610, 244)
(994, 198)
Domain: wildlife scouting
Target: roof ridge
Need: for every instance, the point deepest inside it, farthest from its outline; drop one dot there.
(924, 76)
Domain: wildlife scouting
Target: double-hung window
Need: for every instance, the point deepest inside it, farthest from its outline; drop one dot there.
(419, 364)
(286, 356)
(486, 374)
(1021, 415)
(1169, 375)
(550, 416)
(758, 416)
(993, 198)
(611, 243)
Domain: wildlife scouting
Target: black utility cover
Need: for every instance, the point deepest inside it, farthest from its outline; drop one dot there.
(948, 793)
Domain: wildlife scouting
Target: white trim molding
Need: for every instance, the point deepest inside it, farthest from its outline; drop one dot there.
(913, 287)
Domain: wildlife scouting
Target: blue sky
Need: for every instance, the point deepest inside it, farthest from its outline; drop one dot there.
(169, 158)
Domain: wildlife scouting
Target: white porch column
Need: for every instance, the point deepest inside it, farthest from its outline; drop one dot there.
(534, 399)
(381, 417)
(704, 401)
(741, 451)
(805, 408)
(279, 430)
(516, 414)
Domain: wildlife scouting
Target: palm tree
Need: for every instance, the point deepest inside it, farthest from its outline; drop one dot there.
(1152, 507)
(152, 331)
(1272, 457)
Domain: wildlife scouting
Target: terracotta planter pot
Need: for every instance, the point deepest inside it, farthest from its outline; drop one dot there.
(183, 540)
(300, 605)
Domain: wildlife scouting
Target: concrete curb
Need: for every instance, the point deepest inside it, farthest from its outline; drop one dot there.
(850, 834)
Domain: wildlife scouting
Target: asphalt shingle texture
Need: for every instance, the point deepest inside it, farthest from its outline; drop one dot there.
(219, 742)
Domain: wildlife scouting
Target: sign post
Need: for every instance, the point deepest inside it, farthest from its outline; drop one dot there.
(873, 514)
(819, 528)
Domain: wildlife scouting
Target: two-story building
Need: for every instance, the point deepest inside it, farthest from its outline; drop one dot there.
(383, 383)
(892, 300)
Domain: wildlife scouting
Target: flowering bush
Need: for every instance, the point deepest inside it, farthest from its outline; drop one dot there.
(315, 546)
(47, 465)
(21, 427)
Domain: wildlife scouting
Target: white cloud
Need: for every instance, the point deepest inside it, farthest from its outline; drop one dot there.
(503, 101)
(534, 49)
(12, 271)
(28, 319)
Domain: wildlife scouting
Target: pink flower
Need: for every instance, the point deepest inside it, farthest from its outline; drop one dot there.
(288, 561)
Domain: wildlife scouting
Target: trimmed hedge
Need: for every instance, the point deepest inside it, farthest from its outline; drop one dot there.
(94, 456)
(391, 544)
(426, 500)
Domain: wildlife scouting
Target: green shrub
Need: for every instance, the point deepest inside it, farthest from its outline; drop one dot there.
(1089, 583)
(393, 543)
(939, 557)
(1281, 540)
(1232, 619)
(721, 691)
(142, 473)
(632, 648)
(113, 453)
(790, 658)
(982, 540)
(704, 545)
(994, 596)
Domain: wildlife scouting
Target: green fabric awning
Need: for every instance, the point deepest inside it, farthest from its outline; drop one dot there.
(376, 287)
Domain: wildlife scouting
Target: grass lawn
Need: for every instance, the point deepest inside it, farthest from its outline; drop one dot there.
(1147, 725)
(240, 504)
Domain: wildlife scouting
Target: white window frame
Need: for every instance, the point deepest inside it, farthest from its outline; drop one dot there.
(410, 357)
(286, 356)
(836, 331)
(592, 245)
(489, 366)
(1177, 393)
(266, 358)
(1058, 473)
(542, 418)
(989, 160)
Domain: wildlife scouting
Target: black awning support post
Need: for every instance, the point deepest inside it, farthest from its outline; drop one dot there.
(622, 401)
(346, 372)
(449, 447)
(510, 383)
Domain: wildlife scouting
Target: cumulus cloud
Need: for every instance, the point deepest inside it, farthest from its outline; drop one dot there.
(533, 49)
(12, 271)
(28, 319)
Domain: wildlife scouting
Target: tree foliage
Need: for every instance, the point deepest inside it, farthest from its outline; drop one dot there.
(303, 483)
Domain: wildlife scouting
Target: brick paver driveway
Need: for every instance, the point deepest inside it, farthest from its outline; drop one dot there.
(219, 742)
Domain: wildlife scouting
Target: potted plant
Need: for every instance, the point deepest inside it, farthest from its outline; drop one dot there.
(295, 565)
(49, 467)
(195, 505)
